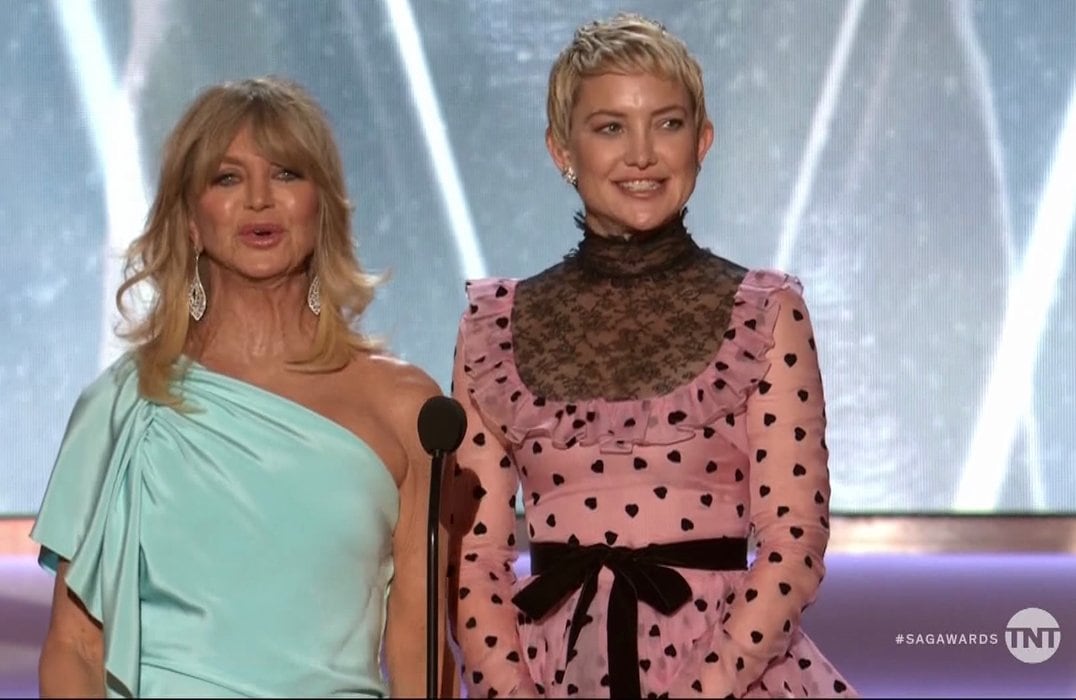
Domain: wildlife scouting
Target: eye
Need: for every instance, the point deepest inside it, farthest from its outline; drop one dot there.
(287, 174)
(672, 124)
(225, 179)
(610, 128)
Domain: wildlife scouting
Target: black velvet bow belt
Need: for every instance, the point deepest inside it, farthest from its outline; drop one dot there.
(638, 575)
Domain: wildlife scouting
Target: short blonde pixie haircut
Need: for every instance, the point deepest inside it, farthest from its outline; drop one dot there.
(629, 44)
(290, 128)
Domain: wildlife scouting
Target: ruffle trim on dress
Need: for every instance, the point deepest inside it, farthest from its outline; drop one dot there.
(709, 402)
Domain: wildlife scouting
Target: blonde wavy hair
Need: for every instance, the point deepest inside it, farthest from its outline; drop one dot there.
(288, 127)
(628, 43)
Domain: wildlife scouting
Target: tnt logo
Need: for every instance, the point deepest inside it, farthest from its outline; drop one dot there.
(1032, 635)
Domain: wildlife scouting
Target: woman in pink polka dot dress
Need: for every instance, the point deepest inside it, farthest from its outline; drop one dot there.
(658, 404)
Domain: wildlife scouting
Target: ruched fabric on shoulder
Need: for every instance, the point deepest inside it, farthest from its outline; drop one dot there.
(244, 546)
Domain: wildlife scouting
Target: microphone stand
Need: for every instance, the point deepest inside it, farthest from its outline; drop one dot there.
(433, 527)
(442, 423)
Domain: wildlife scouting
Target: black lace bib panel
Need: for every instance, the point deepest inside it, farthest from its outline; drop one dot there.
(623, 319)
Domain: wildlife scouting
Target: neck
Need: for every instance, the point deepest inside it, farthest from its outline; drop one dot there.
(640, 254)
(254, 322)
(604, 228)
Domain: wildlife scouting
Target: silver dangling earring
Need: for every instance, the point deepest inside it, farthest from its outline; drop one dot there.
(313, 296)
(570, 177)
(196, 293)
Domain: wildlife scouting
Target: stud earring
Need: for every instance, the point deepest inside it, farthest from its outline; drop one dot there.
(313, 295)
(196, 292)
(570, 177)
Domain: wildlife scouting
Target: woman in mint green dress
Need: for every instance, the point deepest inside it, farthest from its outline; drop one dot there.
(238, 506)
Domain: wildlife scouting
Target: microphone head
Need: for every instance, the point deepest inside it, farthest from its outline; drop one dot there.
(442, 424)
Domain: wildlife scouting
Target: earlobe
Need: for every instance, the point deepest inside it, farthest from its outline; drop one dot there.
(557, 152)
(192, 232)
(706, 139)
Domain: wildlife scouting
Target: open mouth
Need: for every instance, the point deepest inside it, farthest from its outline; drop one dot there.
(640, 185)
(260, 230)
(261, 234)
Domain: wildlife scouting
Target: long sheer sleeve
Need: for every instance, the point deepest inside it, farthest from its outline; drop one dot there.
(485, 625)
(789, 508)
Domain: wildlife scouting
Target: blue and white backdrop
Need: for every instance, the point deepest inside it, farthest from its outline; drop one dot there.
(913, 163)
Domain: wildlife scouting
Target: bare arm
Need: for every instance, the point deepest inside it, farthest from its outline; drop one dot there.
(405, 629)
(72, 657)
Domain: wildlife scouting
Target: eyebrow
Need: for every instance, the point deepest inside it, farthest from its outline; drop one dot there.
(232, 160)
(614, 113)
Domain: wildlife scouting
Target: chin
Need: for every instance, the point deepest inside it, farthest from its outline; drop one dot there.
(263, 272)
(647, 221)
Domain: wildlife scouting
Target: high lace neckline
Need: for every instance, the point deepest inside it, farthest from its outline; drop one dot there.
(538, 368)
(664, 249)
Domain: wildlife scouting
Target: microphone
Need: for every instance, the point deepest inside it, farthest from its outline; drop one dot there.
(442, 423)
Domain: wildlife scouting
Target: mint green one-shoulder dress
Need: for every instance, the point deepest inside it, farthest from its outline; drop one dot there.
(243, 548)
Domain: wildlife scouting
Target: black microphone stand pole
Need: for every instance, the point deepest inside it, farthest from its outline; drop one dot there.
(433, 527)
(442, 423)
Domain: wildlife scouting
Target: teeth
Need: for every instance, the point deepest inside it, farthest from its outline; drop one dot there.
(640, 185)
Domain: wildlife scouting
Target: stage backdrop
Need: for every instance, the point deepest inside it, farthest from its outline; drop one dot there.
(913, 163)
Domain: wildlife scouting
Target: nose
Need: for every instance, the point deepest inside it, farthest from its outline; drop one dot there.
(640, 151)
(259, 192)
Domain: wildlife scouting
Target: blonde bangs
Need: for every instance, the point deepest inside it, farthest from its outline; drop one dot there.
(628, 44)
(282, 139)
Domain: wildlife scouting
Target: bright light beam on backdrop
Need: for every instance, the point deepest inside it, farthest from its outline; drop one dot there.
(911, 162)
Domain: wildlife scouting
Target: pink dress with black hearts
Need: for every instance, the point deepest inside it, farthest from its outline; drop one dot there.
(739, 449)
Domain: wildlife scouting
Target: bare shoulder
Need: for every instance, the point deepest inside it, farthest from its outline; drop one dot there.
(408, 385)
